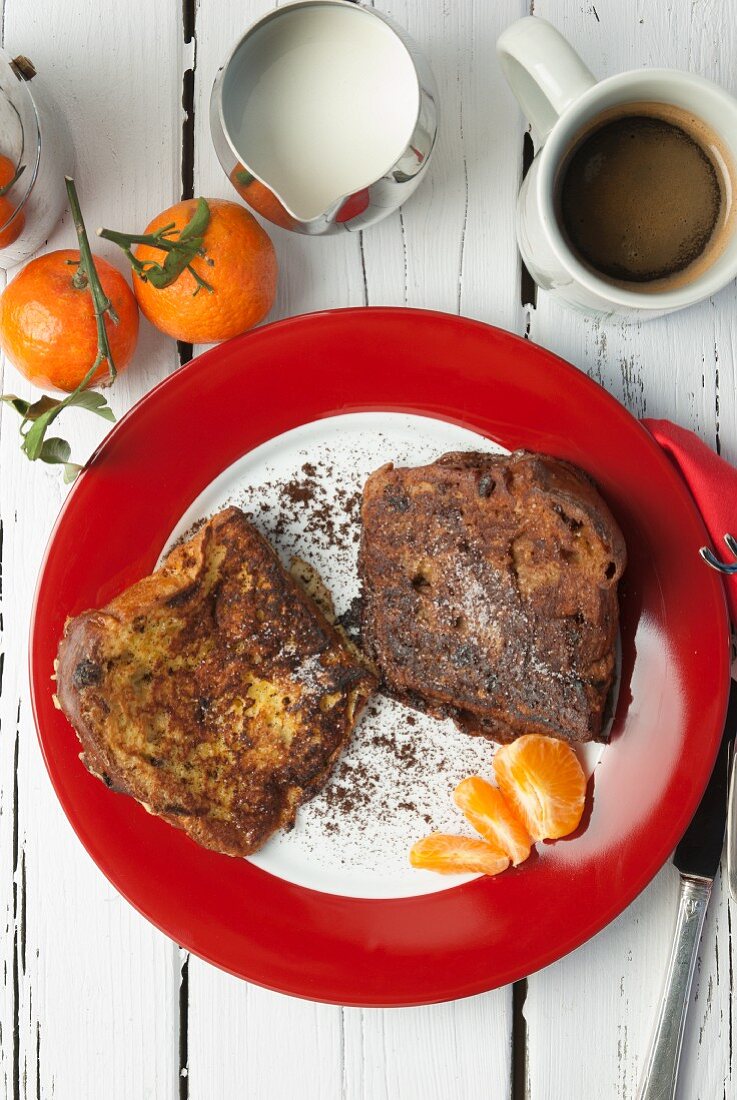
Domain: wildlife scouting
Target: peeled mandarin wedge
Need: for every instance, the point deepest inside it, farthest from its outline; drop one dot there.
(455, 855)
(543, 781)
(491, 815)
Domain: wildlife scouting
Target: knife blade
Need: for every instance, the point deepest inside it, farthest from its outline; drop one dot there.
(697, 857)
(700, 849)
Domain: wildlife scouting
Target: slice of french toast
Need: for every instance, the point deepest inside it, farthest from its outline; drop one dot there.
(490, 592)
(214, 691)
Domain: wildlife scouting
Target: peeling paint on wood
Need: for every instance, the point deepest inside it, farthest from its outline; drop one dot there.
(86, 985)
(682, 367)
(93, 1000)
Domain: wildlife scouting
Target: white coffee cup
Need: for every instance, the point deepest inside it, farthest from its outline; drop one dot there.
(560, 97)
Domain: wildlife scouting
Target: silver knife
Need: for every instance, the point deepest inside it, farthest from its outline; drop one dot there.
(728, 569)
(732, 835)
(697, 859)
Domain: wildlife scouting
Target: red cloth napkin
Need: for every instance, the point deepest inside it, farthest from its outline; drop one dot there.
(713, 485)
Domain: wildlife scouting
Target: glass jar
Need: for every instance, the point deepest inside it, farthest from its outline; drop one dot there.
(36, 153)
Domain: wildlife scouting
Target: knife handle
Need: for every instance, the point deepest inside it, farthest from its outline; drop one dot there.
(732, 832)
(661, 1068)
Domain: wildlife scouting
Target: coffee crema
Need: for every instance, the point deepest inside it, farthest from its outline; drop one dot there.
(645, 196)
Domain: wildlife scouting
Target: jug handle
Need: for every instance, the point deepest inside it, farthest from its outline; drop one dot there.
(543, 70)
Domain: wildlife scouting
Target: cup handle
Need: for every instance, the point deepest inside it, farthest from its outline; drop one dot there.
(543, 70)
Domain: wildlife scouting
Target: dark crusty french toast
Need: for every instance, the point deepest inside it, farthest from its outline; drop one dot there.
(490, 592)
(213, 691)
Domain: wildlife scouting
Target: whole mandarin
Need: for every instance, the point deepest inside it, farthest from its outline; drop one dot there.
(242, 271)
(47, 323)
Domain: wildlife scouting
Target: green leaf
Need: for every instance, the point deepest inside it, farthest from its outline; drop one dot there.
(244, 178)
(18, 403)
(71, 469)
(27, 410)
(198, 223)
(43, 405)
(183, 251)
(93, 402)
(55, 450)
(33, 440)
(179, 249)
(43, 412)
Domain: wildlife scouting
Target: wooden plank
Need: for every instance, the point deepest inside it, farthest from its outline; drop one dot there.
(433, 254)
(236, 1032)
(452, 247)
(249, 1042)
(680, 367)
(88, 1005)
(459, 1049)
(315, 273)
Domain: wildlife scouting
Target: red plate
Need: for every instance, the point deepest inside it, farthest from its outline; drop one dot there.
(674, 637)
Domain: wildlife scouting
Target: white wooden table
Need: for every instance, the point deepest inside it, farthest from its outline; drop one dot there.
(94, 1002)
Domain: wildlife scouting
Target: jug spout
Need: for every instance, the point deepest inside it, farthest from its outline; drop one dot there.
(265, 201)
(261, 198)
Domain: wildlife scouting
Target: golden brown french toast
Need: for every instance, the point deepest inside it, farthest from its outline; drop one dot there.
(213, 691)
(490, 592)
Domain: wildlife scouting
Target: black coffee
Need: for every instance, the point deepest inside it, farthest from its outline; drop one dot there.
(641, 199)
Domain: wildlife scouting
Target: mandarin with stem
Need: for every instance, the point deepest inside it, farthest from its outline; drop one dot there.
(228, 282)
(47, 321)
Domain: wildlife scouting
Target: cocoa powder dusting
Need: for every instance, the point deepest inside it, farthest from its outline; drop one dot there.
(393, 782)
(315, 507)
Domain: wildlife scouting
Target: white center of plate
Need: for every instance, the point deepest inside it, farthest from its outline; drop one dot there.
(395, 780)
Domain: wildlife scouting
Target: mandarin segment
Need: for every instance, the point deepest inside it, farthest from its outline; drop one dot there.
(486, 808)
(454, 855)
(544, 782)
